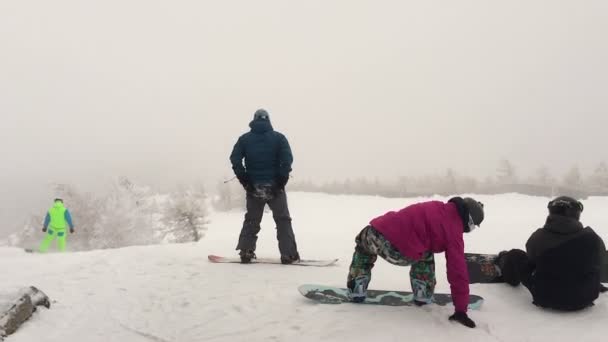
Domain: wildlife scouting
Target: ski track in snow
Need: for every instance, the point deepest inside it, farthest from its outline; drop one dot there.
(171, 293)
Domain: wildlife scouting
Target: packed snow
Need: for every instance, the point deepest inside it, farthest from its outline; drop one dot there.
(172, 293)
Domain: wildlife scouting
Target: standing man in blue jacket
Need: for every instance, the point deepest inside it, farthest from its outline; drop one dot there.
(265, 173)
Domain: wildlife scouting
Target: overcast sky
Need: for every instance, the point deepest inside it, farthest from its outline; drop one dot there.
(160, 90)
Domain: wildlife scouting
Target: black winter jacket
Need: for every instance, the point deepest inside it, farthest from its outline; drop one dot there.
(567, 258)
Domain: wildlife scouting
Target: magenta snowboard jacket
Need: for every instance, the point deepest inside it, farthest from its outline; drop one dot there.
(430, 227)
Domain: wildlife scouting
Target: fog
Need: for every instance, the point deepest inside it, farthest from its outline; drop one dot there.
(159, 91)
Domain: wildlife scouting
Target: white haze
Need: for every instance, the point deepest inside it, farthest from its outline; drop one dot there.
(160, 90)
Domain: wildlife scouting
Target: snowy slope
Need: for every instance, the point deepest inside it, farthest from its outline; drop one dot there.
(172, 293)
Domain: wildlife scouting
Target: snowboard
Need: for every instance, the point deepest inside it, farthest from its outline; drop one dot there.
(482, 269)
(335, 295)
(303, 262)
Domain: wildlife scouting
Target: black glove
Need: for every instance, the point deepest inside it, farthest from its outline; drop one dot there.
(44, 229)
(243, 180)
(462, 318)
(282, 181)
(603, 288)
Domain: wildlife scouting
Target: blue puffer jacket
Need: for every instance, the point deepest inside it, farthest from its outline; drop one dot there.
(266, 152)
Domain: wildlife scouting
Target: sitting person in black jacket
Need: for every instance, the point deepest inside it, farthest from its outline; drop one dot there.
(561, 267)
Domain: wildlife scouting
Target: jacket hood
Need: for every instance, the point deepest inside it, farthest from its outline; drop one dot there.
(260, 126)
(562, 224)
(463, 212)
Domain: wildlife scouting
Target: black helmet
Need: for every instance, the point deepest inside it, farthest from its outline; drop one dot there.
(565, 206)
(475, 210)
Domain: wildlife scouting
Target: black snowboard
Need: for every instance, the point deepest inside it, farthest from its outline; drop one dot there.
(482, 269)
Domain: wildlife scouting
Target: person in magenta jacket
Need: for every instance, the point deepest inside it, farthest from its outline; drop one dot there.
(411, 237)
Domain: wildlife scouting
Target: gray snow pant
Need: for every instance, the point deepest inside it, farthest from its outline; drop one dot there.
(277, 201)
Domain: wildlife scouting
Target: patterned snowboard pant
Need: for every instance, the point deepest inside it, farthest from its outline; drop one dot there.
(370, 243)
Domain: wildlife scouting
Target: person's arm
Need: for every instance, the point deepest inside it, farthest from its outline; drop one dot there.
(603, 262)
(533, 247)
(285, 157)
(285, 161)
(458, 277)
(236, 159)
(47, 220)
(68, 218)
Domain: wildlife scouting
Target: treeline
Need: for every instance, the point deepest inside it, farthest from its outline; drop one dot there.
(506, 180)
(127, 215)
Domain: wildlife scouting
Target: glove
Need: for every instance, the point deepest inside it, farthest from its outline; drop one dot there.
(282, 181)
(71, 230)
(603, 288)
(462, 318)
(44, 229)
(243, 180)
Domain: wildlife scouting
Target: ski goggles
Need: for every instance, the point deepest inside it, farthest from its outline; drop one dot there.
(472, 224)
(567, 204)
(261, 116)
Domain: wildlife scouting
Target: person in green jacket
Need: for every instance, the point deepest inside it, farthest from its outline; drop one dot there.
(56, 222)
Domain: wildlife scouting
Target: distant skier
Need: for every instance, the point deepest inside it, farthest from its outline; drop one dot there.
(411, 237)
(268, 160)
(56, 222)
(561, 267)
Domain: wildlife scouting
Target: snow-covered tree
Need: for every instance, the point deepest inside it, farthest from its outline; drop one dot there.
(573, 178)
(230, 195)
(186, 215)
(544, 177)
(599, 179)
(506, 173)
(127, 218)
(123, 217)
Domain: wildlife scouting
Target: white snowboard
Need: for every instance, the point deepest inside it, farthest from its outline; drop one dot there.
(303, 262)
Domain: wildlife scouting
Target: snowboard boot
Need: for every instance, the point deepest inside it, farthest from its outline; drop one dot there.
(293, 259)
(358, 289)
(246, 256)
(499, 263)
(510, 265)
(421, 295)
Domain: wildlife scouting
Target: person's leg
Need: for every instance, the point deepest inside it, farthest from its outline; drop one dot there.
(422, 278)
(384, 249)
(61, 240)
(251, 227)
(287, 240)
(360, 270)
(371, 243)
(515, 267)
(46, 242)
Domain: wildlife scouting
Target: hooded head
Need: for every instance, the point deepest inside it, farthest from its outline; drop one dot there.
(261, 114)
(565, 206)
(470, 211)
(476, 213)
(260, 122)
(57, 202)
